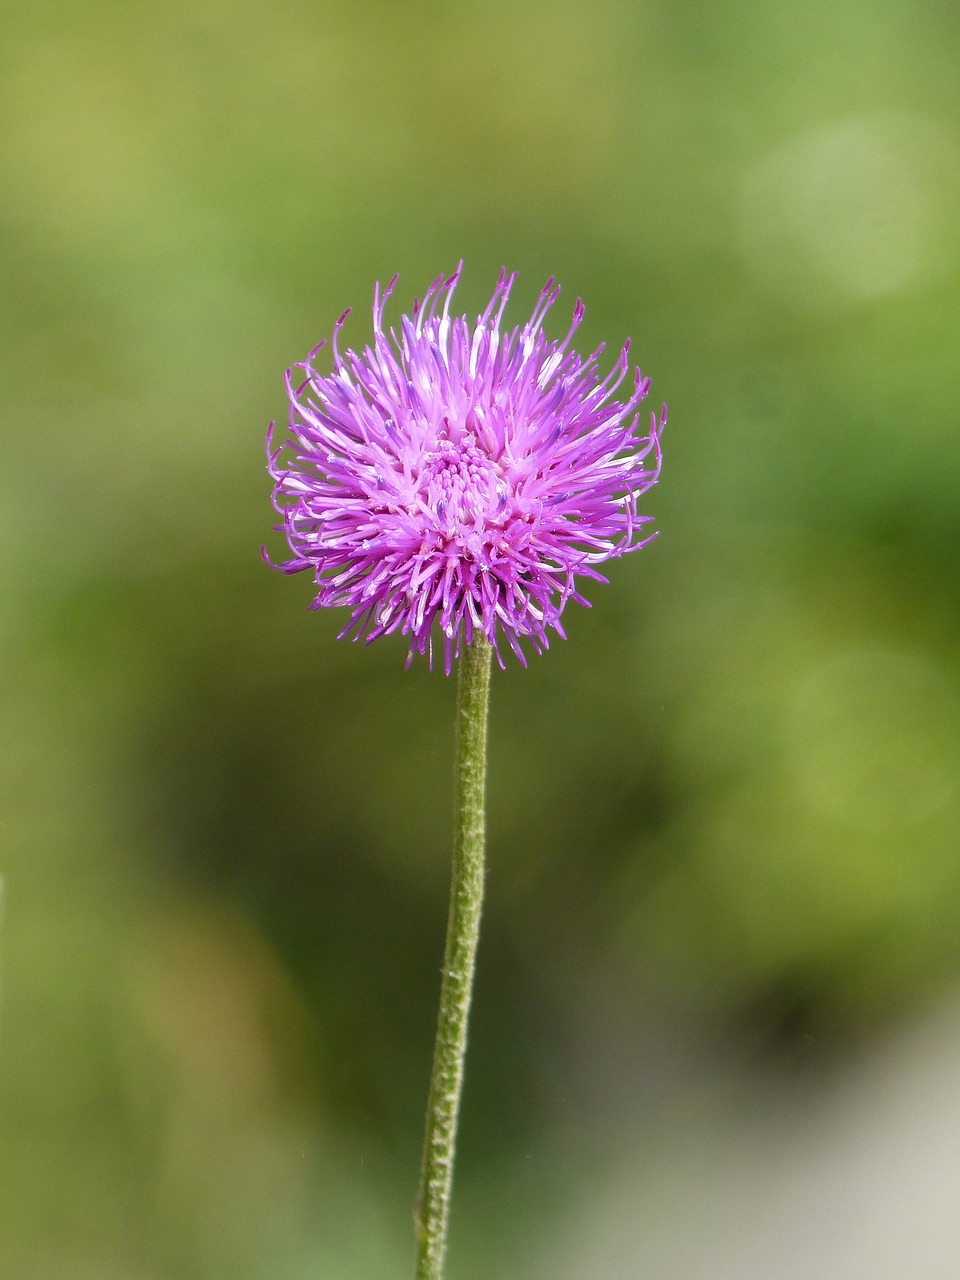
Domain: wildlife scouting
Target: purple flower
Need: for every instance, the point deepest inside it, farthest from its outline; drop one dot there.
(459, 479)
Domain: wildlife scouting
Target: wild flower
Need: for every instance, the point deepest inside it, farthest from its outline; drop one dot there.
(454, 479)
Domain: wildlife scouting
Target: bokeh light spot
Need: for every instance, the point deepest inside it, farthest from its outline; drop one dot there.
(850, 211)
(875, 739)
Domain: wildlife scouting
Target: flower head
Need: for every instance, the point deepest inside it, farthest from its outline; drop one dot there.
(454, 479)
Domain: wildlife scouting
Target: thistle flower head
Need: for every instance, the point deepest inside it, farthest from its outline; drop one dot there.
(453, 479)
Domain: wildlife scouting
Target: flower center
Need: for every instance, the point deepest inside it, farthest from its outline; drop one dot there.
(461, 484)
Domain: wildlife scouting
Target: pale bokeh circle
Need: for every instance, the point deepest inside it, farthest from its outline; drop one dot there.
(857, 209)
(874, 738)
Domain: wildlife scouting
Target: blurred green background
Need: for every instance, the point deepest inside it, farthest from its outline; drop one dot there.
(724, 816)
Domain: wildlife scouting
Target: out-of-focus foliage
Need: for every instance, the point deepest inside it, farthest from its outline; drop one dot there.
(725, 812)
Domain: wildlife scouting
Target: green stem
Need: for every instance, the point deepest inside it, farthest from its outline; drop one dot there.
(459, 962)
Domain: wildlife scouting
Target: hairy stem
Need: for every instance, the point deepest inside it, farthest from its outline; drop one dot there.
(463, 930)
